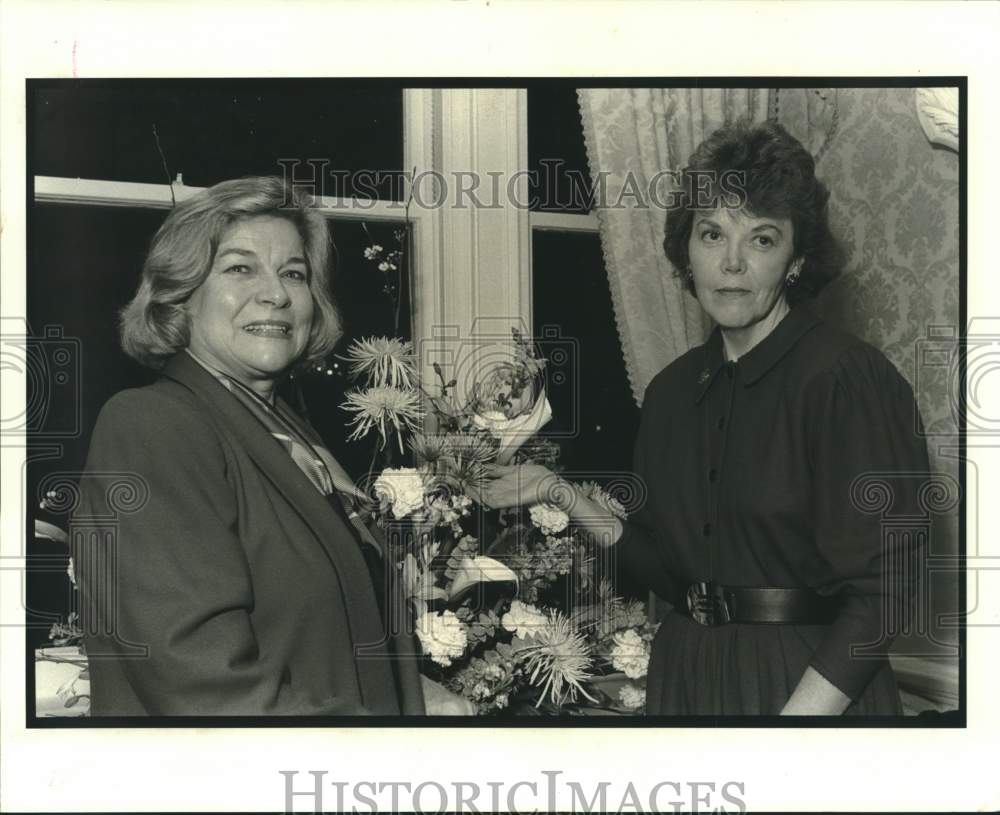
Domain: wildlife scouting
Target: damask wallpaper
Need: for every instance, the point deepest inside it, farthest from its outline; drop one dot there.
(894, 204)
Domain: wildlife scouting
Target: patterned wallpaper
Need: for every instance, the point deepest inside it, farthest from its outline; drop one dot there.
(894, 204)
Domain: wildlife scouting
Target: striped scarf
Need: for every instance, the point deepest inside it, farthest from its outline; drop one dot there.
(314, 460)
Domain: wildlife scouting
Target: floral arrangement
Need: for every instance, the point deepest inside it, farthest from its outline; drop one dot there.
(507, 607)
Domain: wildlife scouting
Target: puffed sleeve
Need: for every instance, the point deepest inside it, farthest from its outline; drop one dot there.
(184, 589)
(638, 551)
(868, 461)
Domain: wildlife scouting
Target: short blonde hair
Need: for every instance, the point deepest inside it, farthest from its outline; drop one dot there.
(154, 325)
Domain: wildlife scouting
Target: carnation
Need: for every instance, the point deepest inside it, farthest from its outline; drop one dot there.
(550, 519)
(632, 697)
(630, 654)
(442, 636)
(523, 619)
(403, 488)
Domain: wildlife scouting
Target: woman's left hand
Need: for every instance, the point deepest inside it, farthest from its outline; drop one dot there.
(439, 701)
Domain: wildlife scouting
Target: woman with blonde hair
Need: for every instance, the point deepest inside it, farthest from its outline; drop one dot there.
(239, 585)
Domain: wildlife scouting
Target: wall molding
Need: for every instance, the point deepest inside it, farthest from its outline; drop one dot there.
(474, 283)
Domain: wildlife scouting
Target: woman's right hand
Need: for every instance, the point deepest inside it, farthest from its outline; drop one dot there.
(521, 485)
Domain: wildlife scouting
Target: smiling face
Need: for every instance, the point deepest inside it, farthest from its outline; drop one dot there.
(252, 316)
(740, 263)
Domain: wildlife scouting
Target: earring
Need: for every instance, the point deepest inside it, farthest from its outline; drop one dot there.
(792, 279)
(689, 275)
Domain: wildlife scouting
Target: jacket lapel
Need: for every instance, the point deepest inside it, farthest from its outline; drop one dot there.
(264, 449)
(333, 531)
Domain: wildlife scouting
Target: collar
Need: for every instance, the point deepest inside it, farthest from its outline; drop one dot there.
(762, 357)
(228, 382)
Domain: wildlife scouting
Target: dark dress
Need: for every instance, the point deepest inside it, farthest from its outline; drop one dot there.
(785, 468)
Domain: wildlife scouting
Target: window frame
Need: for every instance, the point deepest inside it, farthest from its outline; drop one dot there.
(470, 270)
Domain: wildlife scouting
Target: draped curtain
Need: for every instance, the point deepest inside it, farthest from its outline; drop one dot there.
(636, 137)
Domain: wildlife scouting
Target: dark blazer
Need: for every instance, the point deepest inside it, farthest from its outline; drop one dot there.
(226, 584)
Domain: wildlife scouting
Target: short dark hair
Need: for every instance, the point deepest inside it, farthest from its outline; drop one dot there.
(776, 177)
(154, 325)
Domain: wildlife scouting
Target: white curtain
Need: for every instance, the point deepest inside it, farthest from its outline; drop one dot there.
(633, 137)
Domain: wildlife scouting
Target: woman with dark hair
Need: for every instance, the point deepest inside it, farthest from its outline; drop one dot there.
(237, 582)
(756, 450)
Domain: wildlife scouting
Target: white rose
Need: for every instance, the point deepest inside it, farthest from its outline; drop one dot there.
(523, 619)
(442, 636)
(402, 487)
(550, 519)
(512, 433)
(632, 697)
(630, 654)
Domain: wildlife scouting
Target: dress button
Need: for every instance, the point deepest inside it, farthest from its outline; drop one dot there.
(730, 369)
(713, 475)
(706, 530)
(721, 423)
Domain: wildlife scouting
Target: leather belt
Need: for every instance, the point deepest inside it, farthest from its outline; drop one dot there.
(709, 603)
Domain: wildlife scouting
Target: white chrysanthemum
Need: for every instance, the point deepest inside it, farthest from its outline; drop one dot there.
(550, 519)
(384, 409)
(481, 447)
(383, 361)
(630, 654)
(557, 659)
(632, 697)
(372, 252)
(402, 487)
(523, 619)
(442, 636)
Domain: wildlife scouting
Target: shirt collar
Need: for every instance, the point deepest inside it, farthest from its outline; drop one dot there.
(762, 357)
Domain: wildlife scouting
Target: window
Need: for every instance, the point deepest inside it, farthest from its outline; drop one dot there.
(207, 131)
(101, 194)
(557, 156)
(595, 417)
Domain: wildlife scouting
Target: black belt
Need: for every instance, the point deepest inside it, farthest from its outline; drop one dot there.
(709, 603)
